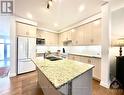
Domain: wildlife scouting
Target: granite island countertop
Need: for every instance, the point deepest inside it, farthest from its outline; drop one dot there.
(62, 71)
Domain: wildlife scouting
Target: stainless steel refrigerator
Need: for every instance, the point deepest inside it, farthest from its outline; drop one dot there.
(26, 51)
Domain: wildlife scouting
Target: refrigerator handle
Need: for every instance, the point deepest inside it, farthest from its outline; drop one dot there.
(27, 48)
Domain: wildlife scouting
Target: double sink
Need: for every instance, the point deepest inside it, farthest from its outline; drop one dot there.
(53, 58)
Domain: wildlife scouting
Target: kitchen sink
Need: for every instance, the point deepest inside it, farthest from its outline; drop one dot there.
(52, 58)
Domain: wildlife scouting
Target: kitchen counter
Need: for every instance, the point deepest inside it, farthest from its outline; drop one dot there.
(86, 55)
(61, 72)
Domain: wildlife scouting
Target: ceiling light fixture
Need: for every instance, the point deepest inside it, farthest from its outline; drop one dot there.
(81, 8)
(49, 4)
(56, 25)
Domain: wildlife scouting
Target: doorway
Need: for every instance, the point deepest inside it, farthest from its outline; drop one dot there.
(4, 56)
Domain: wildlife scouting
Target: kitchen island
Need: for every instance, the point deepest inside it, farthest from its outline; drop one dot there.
(64, 77)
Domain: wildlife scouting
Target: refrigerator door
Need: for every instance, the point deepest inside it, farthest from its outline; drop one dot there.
(31, 48)
(25, 66)
(22, 48)
(26, 52)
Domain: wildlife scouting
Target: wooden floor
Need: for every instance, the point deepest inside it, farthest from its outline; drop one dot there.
(27, 85)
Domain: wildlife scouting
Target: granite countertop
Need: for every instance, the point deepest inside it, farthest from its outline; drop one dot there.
(62, 71)
(86, 55)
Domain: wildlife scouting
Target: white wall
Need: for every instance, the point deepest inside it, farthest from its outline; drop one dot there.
(13, 56)
(4, 25)
(118, 23)
(117, 32)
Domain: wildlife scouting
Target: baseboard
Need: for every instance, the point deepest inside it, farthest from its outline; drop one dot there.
(96, 79)
(12, 74)
(106, 85)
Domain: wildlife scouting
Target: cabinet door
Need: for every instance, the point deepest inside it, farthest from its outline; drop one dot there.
(41, 34)
(51, 38)
(87, 34)
(86, 60)
(70, 57)
(63, 37)
(25, 30)
(96, 32)
(75, 35)
(80, 33)
(97, 69)
(60, 39)
(77, 58)
(32, 30)
(21, 29)
(54, 39)
(69, 33)
(74, 57)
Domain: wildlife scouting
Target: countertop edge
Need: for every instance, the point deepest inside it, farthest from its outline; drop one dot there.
(90, 56)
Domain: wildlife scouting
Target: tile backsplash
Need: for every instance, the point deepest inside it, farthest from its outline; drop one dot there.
(88, 50)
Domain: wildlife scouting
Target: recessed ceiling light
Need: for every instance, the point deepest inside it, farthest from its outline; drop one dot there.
(29, 15)
(56, 25)
(81, 8)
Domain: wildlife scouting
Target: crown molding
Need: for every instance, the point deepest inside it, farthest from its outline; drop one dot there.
(47, 30)
(86, 20)
(24, 20)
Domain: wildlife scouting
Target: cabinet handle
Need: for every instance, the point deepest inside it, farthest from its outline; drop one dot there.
(91, 40)
(76, 42)
(89, 61)
(27, 33)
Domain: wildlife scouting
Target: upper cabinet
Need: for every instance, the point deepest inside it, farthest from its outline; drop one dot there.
(25, 30)
(87, 34)
(50, 38)
(64, 37)
(96, 32)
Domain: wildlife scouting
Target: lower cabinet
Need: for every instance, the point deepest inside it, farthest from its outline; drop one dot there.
(90, 60)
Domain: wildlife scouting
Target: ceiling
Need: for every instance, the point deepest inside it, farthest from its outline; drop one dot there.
(116, 4)
(61, 14)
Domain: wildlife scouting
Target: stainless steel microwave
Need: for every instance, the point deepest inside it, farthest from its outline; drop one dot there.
(40, 41)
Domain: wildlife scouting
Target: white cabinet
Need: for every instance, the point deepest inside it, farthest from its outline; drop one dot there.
(50, 38)
(96, 32)
(74, 57)
(87, 34)
(25, 66)
(97, 63)
(77, 37)
(64, 36)
(25, 30)
(90, 60)
(97, 70)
